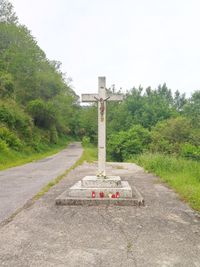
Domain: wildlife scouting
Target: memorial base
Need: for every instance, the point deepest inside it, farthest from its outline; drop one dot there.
(93, 190)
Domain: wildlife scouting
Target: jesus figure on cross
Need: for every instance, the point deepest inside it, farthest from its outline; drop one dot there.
(101, 98)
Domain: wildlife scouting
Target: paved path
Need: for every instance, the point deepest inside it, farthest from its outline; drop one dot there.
(20, 184)
(164, 233)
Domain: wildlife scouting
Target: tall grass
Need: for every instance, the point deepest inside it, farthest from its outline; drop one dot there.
(181, 174)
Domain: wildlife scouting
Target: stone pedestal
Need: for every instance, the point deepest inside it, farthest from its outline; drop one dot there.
(92, 190)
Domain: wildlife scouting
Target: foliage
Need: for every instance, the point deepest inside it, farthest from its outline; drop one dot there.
(88, 122)
(190, 151)
(38, 107)
(10, 138)
(85, 141)
(90, 154)
(172, 121)
(6, 12)
(42, 113)
(3, 146)
(14, 117)
(179, 101)
(192, 109)
(149, 108)
(6, 85)
(181, 174)
(167, 136)
(125, 144)
(10, 158)
(53, 135)
(36, 103)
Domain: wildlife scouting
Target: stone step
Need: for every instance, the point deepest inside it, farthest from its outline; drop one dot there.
(77, 190)
(65, 199)
(99, 182)
(99, 201)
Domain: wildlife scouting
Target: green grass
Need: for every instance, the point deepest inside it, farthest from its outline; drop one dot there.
(13, 158)
(90, 153)
(180, 174)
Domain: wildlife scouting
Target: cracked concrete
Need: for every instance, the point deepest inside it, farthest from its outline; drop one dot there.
(166, 232)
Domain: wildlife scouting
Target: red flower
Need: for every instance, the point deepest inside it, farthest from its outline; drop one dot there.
(101, 194)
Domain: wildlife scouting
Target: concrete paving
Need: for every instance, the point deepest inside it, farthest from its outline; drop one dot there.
(20, 184)
(164, 233)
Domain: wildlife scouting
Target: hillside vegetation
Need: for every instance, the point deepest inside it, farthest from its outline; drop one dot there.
(38, 108)
(40, 113)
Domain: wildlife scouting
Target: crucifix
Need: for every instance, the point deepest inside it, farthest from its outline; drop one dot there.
(101, 98)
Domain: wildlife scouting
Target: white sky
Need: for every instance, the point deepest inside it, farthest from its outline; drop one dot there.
(131, 42)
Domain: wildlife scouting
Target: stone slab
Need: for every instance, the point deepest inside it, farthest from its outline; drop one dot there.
(77, 190)
(65, 199)
(97, 182)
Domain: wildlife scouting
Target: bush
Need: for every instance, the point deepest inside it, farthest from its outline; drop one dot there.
(190, 151)
(6, 85)
(10, 138)
(43, 113)
(53, 135)
(124, 145)
(3, 146)
(15, 118)
(169, 135)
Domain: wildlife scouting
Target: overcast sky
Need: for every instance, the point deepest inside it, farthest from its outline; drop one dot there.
(131, 42)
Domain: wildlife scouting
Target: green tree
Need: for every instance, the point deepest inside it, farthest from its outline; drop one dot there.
(179, 101)
(168, 136)
(7, 15)
(192, 109)
(88, 122)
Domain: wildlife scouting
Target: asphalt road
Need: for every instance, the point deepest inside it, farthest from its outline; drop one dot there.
(20, 184)
(163, 233)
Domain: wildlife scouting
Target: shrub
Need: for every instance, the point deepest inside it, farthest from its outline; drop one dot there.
(43, 113)
(53, 135)
(15, 118)
(3, 146)
(10, 138)
(190, 151)
(6, 85)
(169, 135)
(124, 145)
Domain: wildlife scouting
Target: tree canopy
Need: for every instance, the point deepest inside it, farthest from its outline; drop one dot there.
(37, 105)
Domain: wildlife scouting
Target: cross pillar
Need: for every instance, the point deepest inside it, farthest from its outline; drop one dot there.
(101, 98)
(102, 127)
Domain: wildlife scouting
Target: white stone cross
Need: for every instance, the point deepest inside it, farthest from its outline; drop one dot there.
(101, 97)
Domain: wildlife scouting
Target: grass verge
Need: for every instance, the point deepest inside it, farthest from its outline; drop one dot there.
(180, 174)
(89, 155)
(13, 158)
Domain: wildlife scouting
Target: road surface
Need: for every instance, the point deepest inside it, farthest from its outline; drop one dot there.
(20, 184)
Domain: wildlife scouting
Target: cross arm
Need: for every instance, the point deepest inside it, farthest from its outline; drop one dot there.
(115, 97)
(89, 97)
